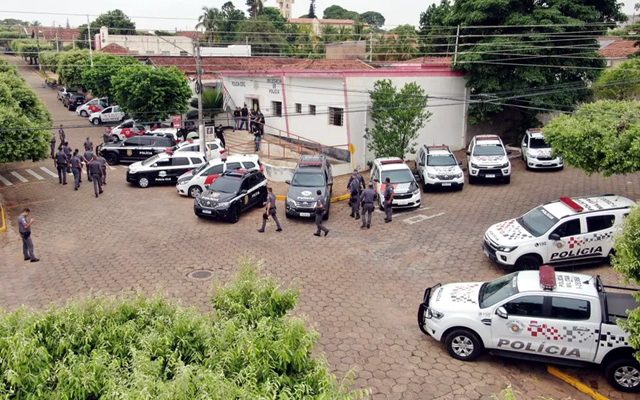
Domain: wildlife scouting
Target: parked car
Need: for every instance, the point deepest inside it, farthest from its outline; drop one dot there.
(137, 148)
(406, 189)
(568, 231)
(92, 106)
(163, 168)
(537, 153)
(73, 100)
(437, 167)
(214, 147)
(311, 174)
(61, 93)
(562, 318)
(109, 114)
(231, 194)
(129, 128)
(193, 183)
(487, 159)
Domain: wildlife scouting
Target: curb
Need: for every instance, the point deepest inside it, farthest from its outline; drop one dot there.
(333, 199)
(3, 218)
(576, 383)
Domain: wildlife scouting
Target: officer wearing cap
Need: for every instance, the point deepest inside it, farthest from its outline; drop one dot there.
(52, 144)
(270, 210)
(388, 200)
(88, 145)
(61, 166)
(76, 168)
(355, 186)
(95, 170)
(320, 210)
(368, 199)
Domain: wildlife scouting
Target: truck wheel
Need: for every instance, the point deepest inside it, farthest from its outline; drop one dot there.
(234, 214)
(464, 345)
(528, 262)
(624, 374)
(143, 182)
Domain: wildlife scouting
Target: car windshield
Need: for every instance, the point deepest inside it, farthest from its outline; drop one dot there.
(537, 221)
(308, 180)
(226, 184)
(398, 175)
(497, 290)
(441, 160)
(200, 168)
(151, 160)
(538, 143)
(488, 150)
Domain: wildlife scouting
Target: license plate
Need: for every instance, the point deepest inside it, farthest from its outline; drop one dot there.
(206, 211)
(490, 175)
(305, 214)
(446, 184)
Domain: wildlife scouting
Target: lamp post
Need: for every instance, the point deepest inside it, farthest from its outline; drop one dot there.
(198, 84)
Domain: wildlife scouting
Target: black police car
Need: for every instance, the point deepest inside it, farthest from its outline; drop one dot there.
(231, 194)
(137, 148)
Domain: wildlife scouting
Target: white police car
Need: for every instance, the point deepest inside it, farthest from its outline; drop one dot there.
(163, 168)
(214, 147)
(438, 168)
(568, 231)
(562, 318)
(194, 182)
(487, 159)
(406, 189)
(537, 153)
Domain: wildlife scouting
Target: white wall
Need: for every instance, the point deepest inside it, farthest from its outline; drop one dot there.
(146, 44)
(228, 51)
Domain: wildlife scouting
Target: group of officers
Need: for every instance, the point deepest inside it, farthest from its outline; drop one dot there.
(363, 199)
(65, 161)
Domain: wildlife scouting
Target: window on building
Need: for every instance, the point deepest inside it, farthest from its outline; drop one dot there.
(336, 116)
(312, 109)
(276, 106)
(184, 53)
(298, 108)
(166, 53)
(150, 52)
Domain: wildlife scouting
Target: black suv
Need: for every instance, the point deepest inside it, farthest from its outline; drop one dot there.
(73, 100)
(137, 148)
(312, 173)
(231, 194)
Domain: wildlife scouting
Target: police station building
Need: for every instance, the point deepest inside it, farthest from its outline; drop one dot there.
(327, 101)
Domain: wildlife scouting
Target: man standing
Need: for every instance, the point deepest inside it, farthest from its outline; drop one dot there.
(52, 143)
(106, 136)
(258, 137)
(236, 119)
(63, 136)
(270, 210)
(388, 200)
(76, 168)
(87, 157)
(67, 153)
(103, 165)
(355, 187)
(245, 117)
(320, 210)
(261, 122)
(61, 166)
(368, 199)
(220, 135)
(24, 227)
(88, 145)
(95, 170)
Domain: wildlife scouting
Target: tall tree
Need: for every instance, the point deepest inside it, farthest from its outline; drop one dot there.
(254, 8)
(151, 94)
(97, 79)
(117, 22)
(397, 116)
(265, 38)
(231, 18)
(523, 45)
(435, 35)
(209, 21)
(374, 19)
(337, 12)
(71, 65)
(620, 83)
(312, 9)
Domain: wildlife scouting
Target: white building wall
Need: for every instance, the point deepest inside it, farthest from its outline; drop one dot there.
(227, 51)
(447, 124)
(146, 44)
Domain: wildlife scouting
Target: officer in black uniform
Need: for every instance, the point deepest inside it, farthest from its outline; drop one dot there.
(320, 209)
(368, 199)
(76, 168)
(61, 166)
(270, 210)
(95, 170)
(388, 200)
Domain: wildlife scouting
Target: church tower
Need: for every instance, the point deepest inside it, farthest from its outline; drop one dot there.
(285, 7)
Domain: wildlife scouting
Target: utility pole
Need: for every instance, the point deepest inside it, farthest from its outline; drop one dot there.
(455, 54)
(370, 46)
(89, 40)
(38, 46)
(203, 142)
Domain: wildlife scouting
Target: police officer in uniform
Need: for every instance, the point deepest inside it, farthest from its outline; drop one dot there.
(24, 227)
(270, 210)
(76, 168)
(87, 157)
(52, 143)
(368, 199)
(61, 166)
(388, 200)
(320, 209)
(355, 187)
(103, 165)
(67, 152)
(88, 145)
(95, 170)
(63, 136)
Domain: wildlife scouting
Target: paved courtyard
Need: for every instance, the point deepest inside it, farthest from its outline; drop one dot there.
(359, 289)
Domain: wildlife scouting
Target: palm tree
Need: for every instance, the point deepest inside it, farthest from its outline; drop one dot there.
(209, 20)
(255, 7)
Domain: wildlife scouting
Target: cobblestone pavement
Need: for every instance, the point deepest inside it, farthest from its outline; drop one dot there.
(359, 289)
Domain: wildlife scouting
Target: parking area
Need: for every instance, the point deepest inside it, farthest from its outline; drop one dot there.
(360, 289)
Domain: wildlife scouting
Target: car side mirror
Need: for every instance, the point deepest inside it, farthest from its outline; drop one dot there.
(524, 144)
(554, 237)
(288, 182)
(502, 312)
(243, 191)
(421, 164)
(468, 153)
(154, 165)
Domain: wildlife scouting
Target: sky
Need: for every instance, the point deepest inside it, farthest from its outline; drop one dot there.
(183, 14)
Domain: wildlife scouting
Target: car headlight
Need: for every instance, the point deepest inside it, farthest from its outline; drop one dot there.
(431, 313)
(507, 249)
(182, 181)
(474, 165)
(505, 165)
(291, 201)
(132, 171)
(431, 176)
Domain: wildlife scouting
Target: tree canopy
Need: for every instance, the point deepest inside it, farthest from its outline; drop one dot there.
(397, 116)
(620, 83)
(117, 22)
(97, 79)
(24, 121)
(374, 19)
(71, 65)
(151, 94)
(337, 12)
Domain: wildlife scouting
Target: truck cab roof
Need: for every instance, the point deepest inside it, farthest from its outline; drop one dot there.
(567, 206)
(564, 283)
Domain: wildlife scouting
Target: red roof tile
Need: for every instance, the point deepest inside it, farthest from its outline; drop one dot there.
(51, 32)
(190, 34)
(620, 48)
(427, 61)
(114, 48)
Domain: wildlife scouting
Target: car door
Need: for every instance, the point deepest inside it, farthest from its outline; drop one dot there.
(567, 242)
(129, 149)
(578, 322)
(248, 186)
(600, 230)
(179, 165)
(210, 174)
(117, 114)
(517, 323)
(524, 145)
(162, 171)
(145, 148)
(107, 114)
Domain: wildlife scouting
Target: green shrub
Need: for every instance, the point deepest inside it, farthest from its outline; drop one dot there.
(151, 348)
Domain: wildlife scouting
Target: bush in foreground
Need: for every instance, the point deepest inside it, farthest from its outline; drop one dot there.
(150, 348)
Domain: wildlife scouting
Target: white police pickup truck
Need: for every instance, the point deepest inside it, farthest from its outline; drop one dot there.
(568, 231)
(562, 318)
